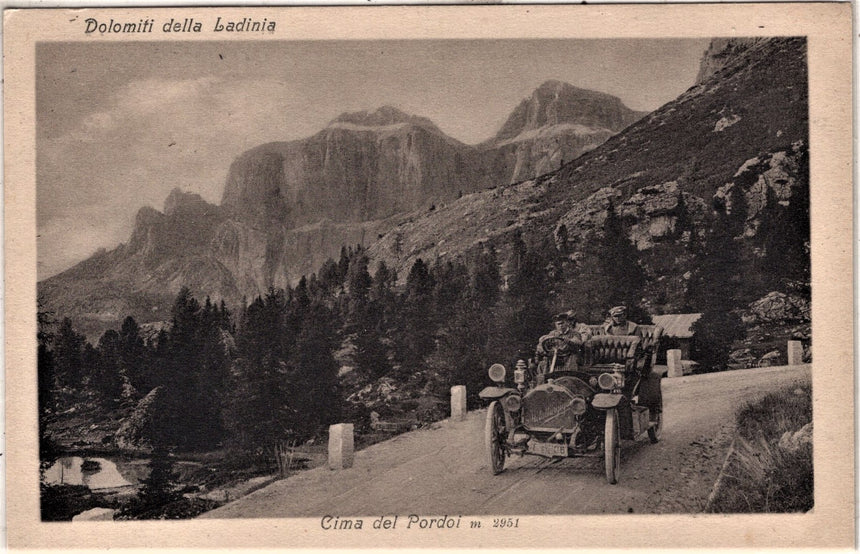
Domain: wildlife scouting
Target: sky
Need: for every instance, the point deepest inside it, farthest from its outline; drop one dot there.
(119, 125)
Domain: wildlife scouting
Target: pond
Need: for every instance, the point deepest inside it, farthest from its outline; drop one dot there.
(94, 473)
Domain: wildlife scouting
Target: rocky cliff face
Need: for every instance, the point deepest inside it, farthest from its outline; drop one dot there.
(722, 52)
(362, 166)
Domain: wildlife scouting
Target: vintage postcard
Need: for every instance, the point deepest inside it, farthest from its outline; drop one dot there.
(520, 276)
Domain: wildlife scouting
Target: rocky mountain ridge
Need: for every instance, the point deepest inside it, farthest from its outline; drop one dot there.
(288, 206)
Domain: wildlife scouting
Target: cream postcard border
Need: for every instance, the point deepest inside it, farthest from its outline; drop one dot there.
(828, 28)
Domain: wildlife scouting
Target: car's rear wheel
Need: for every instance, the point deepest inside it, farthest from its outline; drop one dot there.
(656, 428)
(495, 433)
(651, 396)
(612, 446)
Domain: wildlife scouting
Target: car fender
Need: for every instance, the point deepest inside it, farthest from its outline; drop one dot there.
(606, 401)
(494, 393)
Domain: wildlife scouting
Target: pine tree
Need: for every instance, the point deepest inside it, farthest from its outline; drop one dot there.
(365, 321)
(522, 310)
(415, 337)
(46, 382)
(106, 371)
(314, 390)
(256, 411)
(134, 357)
(714, 288)
(193, 370)
(463, 350)
(157, 490)
(607, 274)
(68, 355)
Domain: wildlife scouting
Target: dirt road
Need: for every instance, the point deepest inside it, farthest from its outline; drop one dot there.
(441, 470)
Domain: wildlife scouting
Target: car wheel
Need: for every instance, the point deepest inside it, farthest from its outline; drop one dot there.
(656, 428)
(612, 447)
(494, 437)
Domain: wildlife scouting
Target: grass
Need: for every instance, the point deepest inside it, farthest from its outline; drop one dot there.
(761, 476)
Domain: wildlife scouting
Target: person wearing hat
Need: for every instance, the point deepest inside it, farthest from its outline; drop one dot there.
(618, 324)
(566, 355)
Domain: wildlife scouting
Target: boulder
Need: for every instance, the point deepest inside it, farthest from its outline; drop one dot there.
(590, 214)
(763, 179)
(740, 354)
(771, 358)
(95, 514)
(792, 442)
(655, 211)
(778, 307)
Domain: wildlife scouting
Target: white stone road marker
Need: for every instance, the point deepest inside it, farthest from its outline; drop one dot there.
(795, 352)
(673, 360)
(458, 402)
(341, 447)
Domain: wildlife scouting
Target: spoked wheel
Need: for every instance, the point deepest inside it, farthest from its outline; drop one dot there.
(656, 428)
(612, 446)
(495, 434)
(651, 395)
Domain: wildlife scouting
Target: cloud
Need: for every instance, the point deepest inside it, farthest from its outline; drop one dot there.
(150, 136)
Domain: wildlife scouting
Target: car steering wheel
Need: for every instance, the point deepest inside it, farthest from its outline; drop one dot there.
(559, 344)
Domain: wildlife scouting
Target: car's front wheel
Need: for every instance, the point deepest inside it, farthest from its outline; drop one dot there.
(495, 433)
(612, 446)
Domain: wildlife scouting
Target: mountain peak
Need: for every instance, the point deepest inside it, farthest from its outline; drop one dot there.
(555, 86)
(556, 102)
(383, 116)
(178, 199)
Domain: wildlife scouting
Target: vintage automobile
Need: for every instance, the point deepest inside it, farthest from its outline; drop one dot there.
(613, 395)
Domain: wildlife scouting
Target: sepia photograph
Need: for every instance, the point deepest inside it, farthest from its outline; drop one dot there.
(430, 284)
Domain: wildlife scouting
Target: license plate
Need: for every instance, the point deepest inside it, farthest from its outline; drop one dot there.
(548, 448)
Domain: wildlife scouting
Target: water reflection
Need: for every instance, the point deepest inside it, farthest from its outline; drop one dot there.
(71, 470)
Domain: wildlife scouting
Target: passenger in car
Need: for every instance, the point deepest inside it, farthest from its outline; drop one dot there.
(572, 337)
(618, 324)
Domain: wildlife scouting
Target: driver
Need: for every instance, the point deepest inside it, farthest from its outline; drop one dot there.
(571, 344)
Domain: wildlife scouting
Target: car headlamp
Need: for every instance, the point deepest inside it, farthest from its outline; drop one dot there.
(497, 373)
(606, 381)
(578, 405)
(512, 402)
(609, 381)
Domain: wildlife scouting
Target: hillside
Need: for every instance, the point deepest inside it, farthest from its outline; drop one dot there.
(746, 123)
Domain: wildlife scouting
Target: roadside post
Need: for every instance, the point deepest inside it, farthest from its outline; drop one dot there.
(795, 352)
(458, 402)
(673, 360)
(340, 446)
